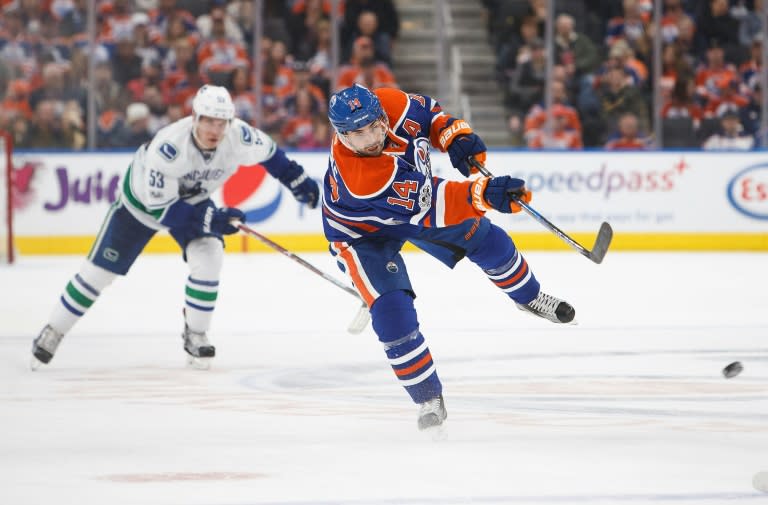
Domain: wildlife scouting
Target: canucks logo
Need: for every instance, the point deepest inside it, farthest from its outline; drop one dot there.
(168, 151)
(245, 135)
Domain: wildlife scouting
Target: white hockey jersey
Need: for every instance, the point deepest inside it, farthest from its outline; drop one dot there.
(171, 168)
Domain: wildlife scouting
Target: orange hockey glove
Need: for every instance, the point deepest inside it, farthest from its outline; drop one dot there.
(499, 193)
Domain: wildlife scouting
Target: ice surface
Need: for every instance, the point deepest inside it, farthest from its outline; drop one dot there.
(628, 407)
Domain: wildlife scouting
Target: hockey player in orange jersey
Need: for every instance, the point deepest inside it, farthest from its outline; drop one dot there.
(379, 192)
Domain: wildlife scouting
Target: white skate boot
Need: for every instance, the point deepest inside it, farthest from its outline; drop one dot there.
(44, 346)
(198, 348)
(549, 307)
(432, 413)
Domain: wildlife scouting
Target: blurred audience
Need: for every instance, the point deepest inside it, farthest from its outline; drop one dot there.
(151, 55)
(386, 14)
(711, 63)
(731, 135)
(558, 133)
(627, 135)
(134, 131)
(681, 103)
(368, 26)
(364, 69)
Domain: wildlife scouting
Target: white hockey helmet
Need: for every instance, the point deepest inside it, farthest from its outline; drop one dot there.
(213, 101)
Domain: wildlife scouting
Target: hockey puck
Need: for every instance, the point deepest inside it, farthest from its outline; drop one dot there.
(732, 370)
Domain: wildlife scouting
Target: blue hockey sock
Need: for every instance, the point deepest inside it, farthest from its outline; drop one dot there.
(505, 266)
(393, 317)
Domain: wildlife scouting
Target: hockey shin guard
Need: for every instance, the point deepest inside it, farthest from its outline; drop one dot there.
(204, 257)
(394, 321)
(81, 292)
(505, 266)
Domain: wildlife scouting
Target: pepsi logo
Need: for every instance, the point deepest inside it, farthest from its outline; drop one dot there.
(244, 190)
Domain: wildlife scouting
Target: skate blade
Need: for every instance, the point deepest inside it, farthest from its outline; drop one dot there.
(35, 363)
(760, 481)
(572, 322)
(436, 433)
(199, 363)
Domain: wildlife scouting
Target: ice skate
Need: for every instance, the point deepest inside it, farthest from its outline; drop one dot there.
(44, 346)
(432, 413)
(549, 307)
(198, 348)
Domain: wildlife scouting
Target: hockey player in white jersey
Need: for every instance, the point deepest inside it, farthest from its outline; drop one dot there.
(168, 187)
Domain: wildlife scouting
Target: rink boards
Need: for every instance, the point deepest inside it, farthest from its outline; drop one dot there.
(674, 200)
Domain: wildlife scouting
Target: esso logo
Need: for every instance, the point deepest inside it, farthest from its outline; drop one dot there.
(748, 191)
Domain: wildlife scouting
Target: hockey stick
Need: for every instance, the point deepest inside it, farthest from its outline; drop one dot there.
(362, 317)
(604, 235)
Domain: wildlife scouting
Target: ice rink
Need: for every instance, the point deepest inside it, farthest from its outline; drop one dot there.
(627, 407)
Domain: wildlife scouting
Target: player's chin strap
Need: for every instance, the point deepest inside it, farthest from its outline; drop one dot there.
(602, 241)
(363, 315)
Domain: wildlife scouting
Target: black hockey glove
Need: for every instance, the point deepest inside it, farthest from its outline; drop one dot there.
(201, 219)
(217, 221)
(305, 190)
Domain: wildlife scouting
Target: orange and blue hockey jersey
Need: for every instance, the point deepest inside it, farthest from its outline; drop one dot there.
(395, 194)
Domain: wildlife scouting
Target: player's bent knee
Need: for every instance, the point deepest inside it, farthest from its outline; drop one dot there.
(95, 277)
(205, 257)
(393, 315)
(496, 247)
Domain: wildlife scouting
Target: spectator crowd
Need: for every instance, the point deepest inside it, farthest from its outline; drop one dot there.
(602, 85)
(151, 56)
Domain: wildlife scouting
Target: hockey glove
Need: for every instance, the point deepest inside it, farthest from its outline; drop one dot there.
(292, 175)
(461, 142)
(218, 221)
(226, 219)
(499, 193)
(305, 190)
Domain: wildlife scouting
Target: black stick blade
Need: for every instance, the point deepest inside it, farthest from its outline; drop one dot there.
(602, 242)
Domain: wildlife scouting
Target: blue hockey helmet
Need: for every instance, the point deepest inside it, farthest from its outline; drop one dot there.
(353, 108)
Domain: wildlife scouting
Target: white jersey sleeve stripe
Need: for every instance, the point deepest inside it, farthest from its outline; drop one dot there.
(440, 205)
(342, 228)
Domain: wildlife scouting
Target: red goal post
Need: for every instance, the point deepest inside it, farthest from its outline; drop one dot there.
(6, 198)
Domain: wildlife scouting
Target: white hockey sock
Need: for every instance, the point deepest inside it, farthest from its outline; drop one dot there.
(78, 296)
(204, 257)
(200, 300)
